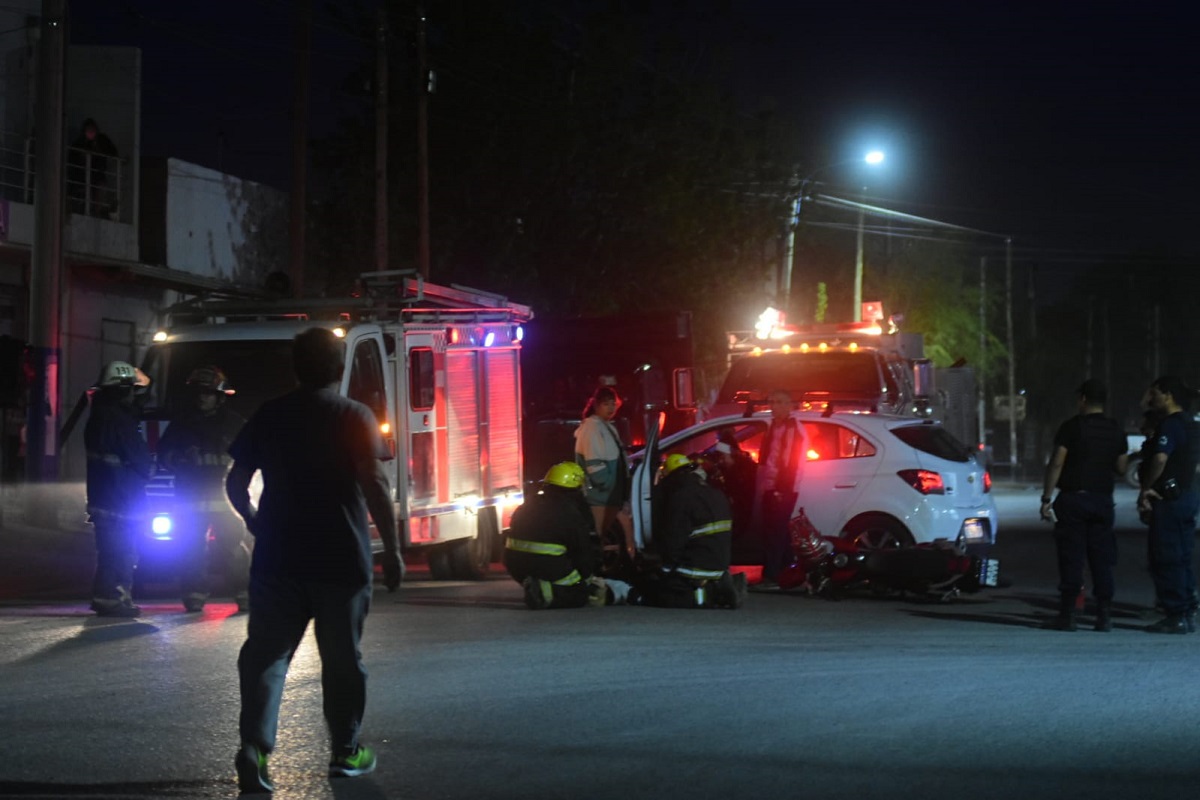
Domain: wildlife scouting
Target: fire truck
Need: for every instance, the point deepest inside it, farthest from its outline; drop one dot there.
(852, 366)
(439, 367)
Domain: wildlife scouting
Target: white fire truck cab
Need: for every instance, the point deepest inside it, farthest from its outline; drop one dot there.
(439, 367)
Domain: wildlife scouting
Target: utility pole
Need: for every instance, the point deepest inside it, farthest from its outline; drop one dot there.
(783, 295)
(424, 89)
(45, 274)
(858, 268)
(1012, 366)
(982, 405)
(381, 142)
(299, 216)
(1089, 341)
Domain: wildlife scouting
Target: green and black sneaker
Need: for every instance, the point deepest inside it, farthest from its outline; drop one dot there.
(251, 764)
(360, 762)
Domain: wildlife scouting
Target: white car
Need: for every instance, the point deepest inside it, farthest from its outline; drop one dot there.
(882, 480)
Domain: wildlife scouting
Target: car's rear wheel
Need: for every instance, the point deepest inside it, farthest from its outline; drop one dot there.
(877, 532)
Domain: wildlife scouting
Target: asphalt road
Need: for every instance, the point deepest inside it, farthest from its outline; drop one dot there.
(473, 696)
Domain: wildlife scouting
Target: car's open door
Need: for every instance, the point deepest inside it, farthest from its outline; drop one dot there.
(643, 484)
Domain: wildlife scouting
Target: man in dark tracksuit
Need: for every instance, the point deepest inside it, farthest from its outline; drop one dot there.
(1169, 495)
(551, 550)
(118, 466)
(1089, 451)
(692, 535)
(321, 459)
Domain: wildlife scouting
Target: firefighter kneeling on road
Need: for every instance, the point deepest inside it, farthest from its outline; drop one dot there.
(194, 447)
(552, 550)
(693, 540)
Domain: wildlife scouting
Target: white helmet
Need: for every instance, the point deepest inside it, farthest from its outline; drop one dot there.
(121, 373)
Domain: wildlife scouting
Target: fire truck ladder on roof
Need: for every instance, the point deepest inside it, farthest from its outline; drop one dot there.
(382, 295)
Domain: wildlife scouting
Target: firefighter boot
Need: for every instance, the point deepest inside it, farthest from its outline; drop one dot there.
(731, 590)
(538, 593)
(193, 602)
(1066, 618)
(1104, 616)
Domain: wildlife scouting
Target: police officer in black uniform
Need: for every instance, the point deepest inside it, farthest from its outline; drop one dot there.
(1089, 451)
(551, 549)
(1169, 496)
(692, 535)
(194, 448)
(118, 466)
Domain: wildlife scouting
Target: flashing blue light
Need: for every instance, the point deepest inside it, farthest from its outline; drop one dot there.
(490, 339)
(520, 335)
(160, 526)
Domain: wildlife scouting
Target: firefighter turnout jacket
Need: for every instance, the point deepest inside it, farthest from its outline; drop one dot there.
(550, 538)
(195, 448)
(694, 533)
(118, 460)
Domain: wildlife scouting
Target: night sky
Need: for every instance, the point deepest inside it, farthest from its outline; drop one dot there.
(1067, 125)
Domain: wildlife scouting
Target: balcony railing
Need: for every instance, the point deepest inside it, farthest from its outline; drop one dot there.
(94, 183)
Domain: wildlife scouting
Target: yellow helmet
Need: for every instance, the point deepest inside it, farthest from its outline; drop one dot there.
(566, 474)
(675, 461)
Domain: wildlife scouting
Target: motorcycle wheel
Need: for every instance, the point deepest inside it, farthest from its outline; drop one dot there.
(875, 532)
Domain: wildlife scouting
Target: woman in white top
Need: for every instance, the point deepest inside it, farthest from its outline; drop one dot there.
(599, 450)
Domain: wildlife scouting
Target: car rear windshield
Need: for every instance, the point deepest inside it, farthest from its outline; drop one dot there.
(933, 439)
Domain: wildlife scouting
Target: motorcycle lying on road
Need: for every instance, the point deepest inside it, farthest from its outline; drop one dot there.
(829, 566)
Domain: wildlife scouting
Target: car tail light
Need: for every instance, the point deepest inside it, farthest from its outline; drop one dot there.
(987, 481)
(923, 480)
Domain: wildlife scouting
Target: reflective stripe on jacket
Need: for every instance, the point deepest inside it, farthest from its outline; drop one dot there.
(537, 548)
(570, 579)
(720, 526)
(699, 574)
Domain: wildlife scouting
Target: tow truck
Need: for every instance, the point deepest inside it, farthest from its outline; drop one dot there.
(865, 366)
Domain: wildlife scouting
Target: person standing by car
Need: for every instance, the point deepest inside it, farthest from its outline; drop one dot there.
(321, 457)
(692, 538)
(1089, 452)
(1168, 495)
(195, 449)
(551, 548)
(118, 467)
(779, 469)
(601, 453)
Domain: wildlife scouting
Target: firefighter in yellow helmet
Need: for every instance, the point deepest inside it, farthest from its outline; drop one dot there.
(118, 466)
(552, 549)
(194, 448)
(692, 536)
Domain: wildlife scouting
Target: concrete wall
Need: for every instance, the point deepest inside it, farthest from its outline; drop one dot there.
(206, 223)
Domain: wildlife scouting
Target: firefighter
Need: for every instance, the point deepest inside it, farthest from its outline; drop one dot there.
(552, 549)
(194, 448)
(692, 537)
(118, 467)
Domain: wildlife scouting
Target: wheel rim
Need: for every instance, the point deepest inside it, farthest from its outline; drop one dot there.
(877, 537)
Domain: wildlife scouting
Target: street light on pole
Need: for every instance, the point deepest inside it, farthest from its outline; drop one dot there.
(871, 158)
